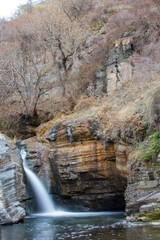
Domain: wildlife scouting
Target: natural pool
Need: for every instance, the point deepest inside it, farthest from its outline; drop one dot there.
(97, 226)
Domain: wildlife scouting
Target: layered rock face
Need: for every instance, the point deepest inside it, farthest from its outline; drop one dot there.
(12, 187)
(143, 189)
(116, 71)
(85, 174)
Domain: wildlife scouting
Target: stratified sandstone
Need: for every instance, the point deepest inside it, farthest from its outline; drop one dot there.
(12, 187)
(85, 174)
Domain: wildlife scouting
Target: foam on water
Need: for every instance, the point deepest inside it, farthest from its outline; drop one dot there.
(75, 214)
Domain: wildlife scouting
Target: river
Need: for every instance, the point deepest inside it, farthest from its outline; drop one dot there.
(105, 226)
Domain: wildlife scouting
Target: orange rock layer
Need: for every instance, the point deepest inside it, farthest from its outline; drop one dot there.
(85, 174)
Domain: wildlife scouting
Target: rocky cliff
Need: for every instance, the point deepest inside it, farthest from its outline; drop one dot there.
(12, 188)
(84, 172)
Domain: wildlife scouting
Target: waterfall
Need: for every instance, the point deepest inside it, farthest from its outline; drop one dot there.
(42, 197)
(47, 208)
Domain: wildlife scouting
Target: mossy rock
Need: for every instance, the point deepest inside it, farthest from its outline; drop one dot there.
(155, 215)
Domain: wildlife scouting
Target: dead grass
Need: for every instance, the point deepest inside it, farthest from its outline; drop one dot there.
(85, 103)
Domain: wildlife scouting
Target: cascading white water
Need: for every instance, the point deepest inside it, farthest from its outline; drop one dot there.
(44, 201)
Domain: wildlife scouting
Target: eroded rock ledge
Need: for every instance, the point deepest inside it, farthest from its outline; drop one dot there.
(85, 173)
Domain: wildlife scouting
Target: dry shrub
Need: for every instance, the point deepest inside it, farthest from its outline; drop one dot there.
(117, 17)
(85, 103)
(64, 106)
(105, 108)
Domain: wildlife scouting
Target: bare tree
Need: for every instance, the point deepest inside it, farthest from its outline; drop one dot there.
(26, 66)
(64, 29)
(77, 9)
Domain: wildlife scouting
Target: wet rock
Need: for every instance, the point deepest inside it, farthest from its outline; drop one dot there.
(12, 187)
(37, 160)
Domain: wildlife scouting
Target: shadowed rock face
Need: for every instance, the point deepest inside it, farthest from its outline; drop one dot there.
(85, 175)
(143, 188)
(12, 188)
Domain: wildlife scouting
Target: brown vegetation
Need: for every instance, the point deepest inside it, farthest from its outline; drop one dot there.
(50, 53)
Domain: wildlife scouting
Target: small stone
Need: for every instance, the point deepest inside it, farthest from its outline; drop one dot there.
(144, 219)
(131, 219)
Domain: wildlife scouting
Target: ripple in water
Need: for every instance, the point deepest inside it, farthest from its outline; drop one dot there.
(108, 226)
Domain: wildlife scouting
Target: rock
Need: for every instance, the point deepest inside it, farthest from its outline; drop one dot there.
(148, 208)
(142, 191)
(154, 110)
(116, 70)
(12, 187)
(131, 219)
(124, 48)
(143, 219)
(84, 173)
(158, 158)
(37, 160)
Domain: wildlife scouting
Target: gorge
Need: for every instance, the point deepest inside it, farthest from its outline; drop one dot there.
(81, 170)
(80, 120)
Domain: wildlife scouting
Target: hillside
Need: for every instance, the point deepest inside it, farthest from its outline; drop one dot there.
(60, 58)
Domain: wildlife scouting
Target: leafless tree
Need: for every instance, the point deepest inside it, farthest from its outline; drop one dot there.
(63, 33)
(26, 68)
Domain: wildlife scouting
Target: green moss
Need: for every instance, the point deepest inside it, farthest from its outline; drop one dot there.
(154, 215)
(103, 32)
(155, 166)
(27, 149)
(140, 215)
(149, 148)
(132, 29)
(96, 26)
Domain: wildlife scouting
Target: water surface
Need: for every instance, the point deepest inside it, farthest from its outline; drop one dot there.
(105, 226)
